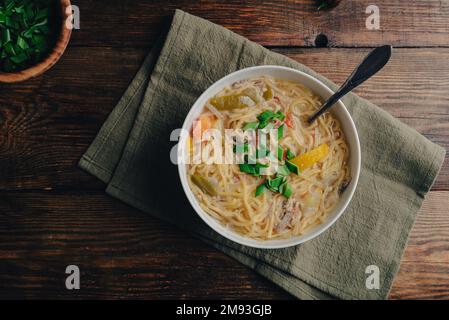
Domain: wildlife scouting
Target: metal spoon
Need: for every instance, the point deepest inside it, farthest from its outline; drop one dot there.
(373, 62)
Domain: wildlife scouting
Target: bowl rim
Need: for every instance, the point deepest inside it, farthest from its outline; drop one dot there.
(53, 56)
(231, 234)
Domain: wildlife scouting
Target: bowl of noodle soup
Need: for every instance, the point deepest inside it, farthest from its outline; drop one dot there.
(287, 181)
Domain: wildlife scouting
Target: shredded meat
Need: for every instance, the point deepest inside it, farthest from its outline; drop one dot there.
(290, 208)
(239, 84)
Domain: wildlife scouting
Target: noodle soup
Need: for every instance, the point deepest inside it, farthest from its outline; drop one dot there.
(272, 193)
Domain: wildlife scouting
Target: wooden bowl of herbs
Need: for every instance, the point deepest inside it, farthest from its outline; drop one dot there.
(33, 36)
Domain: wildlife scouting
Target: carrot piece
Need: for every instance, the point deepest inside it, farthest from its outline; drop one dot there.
(205, 122)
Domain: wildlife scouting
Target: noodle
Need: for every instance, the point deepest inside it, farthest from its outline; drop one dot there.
(316, 190)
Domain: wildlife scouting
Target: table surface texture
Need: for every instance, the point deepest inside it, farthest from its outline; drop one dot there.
(52, 214)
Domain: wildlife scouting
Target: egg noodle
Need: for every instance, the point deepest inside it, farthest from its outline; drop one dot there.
(229, 194)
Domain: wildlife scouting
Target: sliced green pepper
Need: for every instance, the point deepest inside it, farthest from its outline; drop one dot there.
(230, 102)
(204, 184)
(268, 94)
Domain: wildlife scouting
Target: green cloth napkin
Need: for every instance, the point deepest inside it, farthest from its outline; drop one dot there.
(131, 154)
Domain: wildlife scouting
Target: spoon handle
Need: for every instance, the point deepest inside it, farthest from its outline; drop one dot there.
(373, 62)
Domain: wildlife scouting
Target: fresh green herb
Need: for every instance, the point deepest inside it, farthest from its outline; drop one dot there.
(27, 32)
(251, 158)
(276, 182)
(251, 125)
(241, 148)
(260, 189)
(279, 115)
(247, 168)
(285, 189)
(280, 153)
(273, 184)
(292, 167)
(266, 126)
(253, 169)
(290, 155)
(260, 166)
(283, 171)
(262, 152)
(287, 192)
(266, 115)
(280, 132)
(267, 120)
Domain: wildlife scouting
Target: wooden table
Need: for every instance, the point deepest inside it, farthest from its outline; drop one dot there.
(52, 214)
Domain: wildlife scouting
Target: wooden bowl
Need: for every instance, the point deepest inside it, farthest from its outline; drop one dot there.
(53, 56)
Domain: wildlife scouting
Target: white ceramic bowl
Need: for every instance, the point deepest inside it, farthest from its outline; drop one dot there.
(339, 110)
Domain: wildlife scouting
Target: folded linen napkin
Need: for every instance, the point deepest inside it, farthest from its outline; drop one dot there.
(131, 153)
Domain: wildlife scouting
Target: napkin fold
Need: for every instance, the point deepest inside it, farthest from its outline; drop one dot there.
(131, 154)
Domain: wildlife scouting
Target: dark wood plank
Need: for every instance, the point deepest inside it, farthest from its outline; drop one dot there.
(47, 123)
(422, 280)
(61, 216)
(123, 253)
(424, 271)
(269, 22)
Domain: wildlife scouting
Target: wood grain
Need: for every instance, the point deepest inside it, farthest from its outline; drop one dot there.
(123, 253)
(46, 124)
(52, 214)
(424, 267)
(272, 23)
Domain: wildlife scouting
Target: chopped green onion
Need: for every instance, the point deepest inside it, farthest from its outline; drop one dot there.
(262, 152)
(9, 49)
(283, 171)
(241, 148)
(21, 43)
(273, 184)
(27, 30)
(280, 115)
(267, 126)
(250, 159)
(285, 189)
(260, 189)
(259, 166)
(266, 116)
(290, 155)
(250, 125)
(267, 120)
(280, 153)
(281, 132)
(292, 167)
(253, 169)
(6, 36)
(18, 59)
(247, 168)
